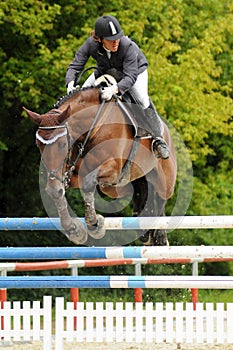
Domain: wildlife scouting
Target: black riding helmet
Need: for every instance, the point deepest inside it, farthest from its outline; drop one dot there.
(108, 27)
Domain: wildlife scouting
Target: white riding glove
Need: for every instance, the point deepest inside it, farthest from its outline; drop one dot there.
(70, 87)
(108, 92)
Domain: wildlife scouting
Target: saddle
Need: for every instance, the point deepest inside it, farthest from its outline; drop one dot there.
(130, 107)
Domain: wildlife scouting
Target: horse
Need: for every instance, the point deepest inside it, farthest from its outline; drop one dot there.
(89, 143)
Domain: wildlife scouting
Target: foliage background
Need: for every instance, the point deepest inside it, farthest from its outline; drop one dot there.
(189, 46)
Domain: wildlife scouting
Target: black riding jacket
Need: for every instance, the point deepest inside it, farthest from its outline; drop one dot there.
(128, 59)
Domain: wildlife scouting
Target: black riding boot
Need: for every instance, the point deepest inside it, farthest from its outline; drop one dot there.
(154, 123)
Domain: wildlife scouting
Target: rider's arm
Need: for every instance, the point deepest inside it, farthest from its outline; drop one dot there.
(80, 59)
(133, 64)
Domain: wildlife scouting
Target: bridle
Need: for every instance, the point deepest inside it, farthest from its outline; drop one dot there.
(69, 165)
(52, 173)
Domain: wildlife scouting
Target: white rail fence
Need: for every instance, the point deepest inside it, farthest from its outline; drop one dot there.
(27, 321)
(119, 322)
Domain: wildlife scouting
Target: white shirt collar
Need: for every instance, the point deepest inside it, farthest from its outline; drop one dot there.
(108, 52)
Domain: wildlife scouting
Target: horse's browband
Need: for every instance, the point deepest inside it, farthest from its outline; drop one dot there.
(52, 140)
(56, 137)
(52, 127)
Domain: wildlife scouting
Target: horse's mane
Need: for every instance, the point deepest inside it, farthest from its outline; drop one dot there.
(65, 98)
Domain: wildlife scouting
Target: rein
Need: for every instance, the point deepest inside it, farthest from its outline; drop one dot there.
(68, 174)
(71, 165)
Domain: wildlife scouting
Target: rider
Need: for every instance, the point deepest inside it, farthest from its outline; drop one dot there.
(112, 50)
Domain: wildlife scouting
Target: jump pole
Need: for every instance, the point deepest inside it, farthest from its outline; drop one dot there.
(124, 223)
(188, 222)
(204, 282)
(162, 253)
(73, 265)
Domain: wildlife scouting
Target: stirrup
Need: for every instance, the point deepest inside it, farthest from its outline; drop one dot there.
(161, 147)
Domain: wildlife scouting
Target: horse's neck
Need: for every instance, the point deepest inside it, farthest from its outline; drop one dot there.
(84, 110)
(79, 99)
(81, 118)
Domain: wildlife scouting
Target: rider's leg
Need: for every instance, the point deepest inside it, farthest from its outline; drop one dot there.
(153, 121)
(155, 125)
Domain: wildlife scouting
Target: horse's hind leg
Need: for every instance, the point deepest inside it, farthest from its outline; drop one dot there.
(144, 199)
(160, 235)
(95, 222)
(143, 204)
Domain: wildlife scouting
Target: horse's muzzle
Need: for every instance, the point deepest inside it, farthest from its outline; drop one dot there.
(55, 190)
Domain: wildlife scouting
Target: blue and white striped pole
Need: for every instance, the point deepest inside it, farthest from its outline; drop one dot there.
(204, 282)
(134, 252)
(126, 223)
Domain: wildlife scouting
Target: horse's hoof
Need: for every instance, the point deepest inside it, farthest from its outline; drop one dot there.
(77, 234)
(160, 238)
(147, 239)
(97, 231)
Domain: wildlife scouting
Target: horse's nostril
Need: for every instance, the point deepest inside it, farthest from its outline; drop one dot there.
(61, 192)
(52, 175)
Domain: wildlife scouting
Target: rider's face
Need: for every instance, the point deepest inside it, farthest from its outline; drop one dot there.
(111, 45)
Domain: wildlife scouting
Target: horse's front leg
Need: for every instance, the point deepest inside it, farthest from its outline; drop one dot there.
(95, 222)
(73, 228)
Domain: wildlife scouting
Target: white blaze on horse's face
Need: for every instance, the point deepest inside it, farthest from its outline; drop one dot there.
(54, 151)
(53, 157)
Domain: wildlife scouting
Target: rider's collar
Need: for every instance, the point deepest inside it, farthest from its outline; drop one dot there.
(109, 51)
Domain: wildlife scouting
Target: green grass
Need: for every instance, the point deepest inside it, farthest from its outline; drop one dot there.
(159, 295)
(153, 295)
(127, 295)
(215, 295)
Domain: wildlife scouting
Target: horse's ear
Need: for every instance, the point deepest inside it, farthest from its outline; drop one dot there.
(64, 115)
(35, 117)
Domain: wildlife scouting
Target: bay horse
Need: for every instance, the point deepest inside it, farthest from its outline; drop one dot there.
(87, 143)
